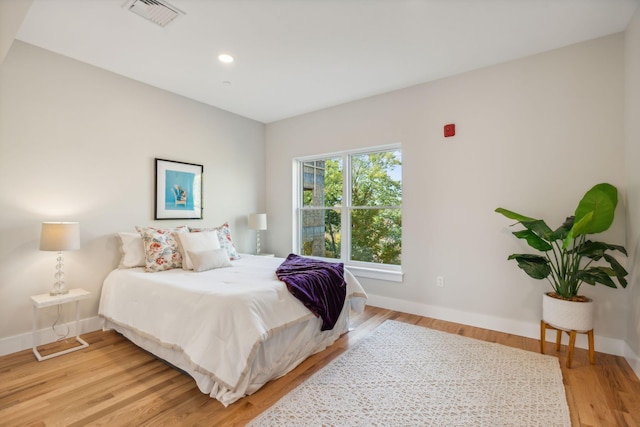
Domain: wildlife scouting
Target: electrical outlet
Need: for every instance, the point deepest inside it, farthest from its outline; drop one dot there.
(440, 282)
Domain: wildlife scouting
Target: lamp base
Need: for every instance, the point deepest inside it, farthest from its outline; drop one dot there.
(59, 288)
(257, 242)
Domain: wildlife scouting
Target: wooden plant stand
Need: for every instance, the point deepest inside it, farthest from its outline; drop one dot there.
(572, 341)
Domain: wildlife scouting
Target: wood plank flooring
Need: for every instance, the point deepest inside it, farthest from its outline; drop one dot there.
(114, 383)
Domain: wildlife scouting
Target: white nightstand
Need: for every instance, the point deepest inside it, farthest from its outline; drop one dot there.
(46, 300)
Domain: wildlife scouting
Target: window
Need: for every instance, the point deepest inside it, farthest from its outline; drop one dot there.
(349, 208)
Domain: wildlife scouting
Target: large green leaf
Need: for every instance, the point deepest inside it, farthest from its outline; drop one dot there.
(595, 275)
(596, 250)
(513, 215)
(618, 269)
(534, 265)
(577, 225)
(533, 240)
(598, 205)
(540, 228)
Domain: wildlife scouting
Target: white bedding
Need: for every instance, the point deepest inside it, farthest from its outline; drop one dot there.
(232, 329)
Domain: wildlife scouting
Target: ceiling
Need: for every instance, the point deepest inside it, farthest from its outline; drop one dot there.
(297, 56)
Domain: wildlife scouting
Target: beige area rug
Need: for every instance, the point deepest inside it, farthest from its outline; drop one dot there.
(407, 375)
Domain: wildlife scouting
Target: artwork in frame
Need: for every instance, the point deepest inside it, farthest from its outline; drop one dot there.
(178, 190)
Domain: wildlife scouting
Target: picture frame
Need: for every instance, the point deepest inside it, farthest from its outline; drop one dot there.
(178, 190)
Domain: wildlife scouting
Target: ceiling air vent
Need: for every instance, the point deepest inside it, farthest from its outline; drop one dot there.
(157, 11)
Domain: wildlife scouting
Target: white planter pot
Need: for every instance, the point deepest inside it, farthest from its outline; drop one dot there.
(567, 315)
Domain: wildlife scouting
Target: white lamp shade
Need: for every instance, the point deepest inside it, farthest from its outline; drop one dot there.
(60, 236)
(258, 221)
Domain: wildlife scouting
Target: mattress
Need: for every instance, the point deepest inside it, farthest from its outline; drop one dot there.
(232, 329)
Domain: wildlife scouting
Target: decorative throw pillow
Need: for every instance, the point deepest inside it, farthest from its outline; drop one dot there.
(196, 242)
(224, 236)
(161, 248)
(208, 260)
(131, 249)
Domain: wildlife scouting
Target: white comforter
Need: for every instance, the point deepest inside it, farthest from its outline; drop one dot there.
(217, 319)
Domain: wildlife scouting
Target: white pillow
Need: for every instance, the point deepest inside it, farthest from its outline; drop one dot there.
(196, 242)
(132, 250)
(208, 260)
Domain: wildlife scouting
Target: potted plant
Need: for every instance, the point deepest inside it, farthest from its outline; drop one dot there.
(567, 257)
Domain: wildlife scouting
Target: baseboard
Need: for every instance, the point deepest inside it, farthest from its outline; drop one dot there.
(25, 341)
(509, 326)
(633, 359)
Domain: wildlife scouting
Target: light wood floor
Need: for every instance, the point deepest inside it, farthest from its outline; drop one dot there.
(113, 383)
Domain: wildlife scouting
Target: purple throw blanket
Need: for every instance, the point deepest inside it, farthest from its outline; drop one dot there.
(319, 285)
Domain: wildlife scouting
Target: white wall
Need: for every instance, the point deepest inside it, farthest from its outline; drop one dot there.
(532, 136)
(632, 155)
(78, 143)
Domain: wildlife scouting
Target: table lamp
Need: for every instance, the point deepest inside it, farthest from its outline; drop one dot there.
(60, 237)
(258, 221)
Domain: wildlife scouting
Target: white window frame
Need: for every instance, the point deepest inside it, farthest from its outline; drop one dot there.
(370, 270)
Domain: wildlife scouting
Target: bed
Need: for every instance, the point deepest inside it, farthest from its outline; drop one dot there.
(232, 329)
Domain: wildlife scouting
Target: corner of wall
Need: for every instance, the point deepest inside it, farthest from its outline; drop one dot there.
(12, 13)
(632, 151)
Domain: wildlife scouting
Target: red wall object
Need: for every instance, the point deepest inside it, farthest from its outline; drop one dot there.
(449, 130)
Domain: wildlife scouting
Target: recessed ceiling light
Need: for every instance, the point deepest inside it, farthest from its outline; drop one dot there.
(226, 58)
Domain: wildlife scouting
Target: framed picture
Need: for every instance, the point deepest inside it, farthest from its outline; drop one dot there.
(178, 190)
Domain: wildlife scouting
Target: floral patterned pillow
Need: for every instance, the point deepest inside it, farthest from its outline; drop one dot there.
(224, 235)
(161, 248)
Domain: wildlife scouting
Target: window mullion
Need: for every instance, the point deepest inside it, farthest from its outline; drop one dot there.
(346, 208)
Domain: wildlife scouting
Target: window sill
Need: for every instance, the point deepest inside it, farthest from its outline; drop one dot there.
(375, 273)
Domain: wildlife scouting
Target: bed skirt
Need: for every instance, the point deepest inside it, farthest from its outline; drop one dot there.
(276, 356)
